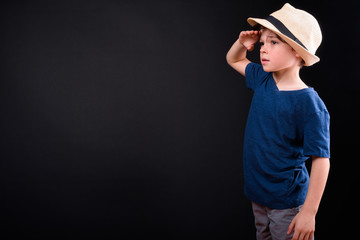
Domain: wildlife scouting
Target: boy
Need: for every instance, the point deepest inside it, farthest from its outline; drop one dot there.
(287, 124)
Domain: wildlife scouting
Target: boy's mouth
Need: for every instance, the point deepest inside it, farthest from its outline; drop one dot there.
(264, 61)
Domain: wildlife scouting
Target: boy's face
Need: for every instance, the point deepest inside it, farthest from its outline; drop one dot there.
(275, 54)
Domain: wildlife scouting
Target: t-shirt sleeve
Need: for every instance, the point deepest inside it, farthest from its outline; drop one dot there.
(254, 75)
(317, 134)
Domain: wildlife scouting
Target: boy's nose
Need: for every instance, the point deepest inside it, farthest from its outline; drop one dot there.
(263, 49)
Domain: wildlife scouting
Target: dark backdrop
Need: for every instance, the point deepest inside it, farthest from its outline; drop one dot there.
(122, 118)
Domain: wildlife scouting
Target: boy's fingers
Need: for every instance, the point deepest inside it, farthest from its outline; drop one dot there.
(311, 236)
(249, 38)
(251, 32)
(291, 227)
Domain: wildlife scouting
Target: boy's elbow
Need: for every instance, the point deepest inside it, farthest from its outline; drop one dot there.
(228, 60)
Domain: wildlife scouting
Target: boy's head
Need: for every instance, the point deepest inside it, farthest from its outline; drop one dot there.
(297, 28)
(276, 54)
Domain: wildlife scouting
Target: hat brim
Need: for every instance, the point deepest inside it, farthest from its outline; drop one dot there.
(308, 57)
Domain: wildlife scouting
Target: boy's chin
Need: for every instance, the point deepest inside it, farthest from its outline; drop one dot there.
(267, 68)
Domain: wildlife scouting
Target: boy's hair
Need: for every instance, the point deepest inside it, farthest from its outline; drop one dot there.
(259, 27)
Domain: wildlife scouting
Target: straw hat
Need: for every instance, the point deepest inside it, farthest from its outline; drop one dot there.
(297, 27)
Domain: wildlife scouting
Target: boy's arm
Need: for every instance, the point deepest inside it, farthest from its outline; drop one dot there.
(236, 57)
(304, 221)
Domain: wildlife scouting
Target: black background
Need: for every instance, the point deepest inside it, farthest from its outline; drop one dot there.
(122, 118)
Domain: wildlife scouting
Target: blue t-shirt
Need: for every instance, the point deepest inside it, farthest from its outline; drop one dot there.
(284, 128)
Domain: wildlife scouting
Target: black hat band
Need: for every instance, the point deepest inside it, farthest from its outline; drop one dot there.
(283, 29)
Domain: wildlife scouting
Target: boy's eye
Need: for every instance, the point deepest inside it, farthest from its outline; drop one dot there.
(261, 43)
(273, 42)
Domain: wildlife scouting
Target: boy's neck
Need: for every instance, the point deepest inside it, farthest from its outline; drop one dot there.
(289, 79)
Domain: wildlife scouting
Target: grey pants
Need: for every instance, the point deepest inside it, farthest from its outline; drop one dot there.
(272, 224)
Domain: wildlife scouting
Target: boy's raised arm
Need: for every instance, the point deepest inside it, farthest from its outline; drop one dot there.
(236, 57)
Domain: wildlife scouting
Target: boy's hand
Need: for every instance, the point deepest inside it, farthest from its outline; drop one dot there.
(303, 226)
(249, 38)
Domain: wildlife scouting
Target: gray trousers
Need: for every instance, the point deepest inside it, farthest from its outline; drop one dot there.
(272, 224)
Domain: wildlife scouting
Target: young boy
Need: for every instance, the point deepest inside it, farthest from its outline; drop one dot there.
(287, 124)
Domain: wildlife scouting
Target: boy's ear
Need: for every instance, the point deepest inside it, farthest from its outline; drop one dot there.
(299, 57)
(296, 54)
